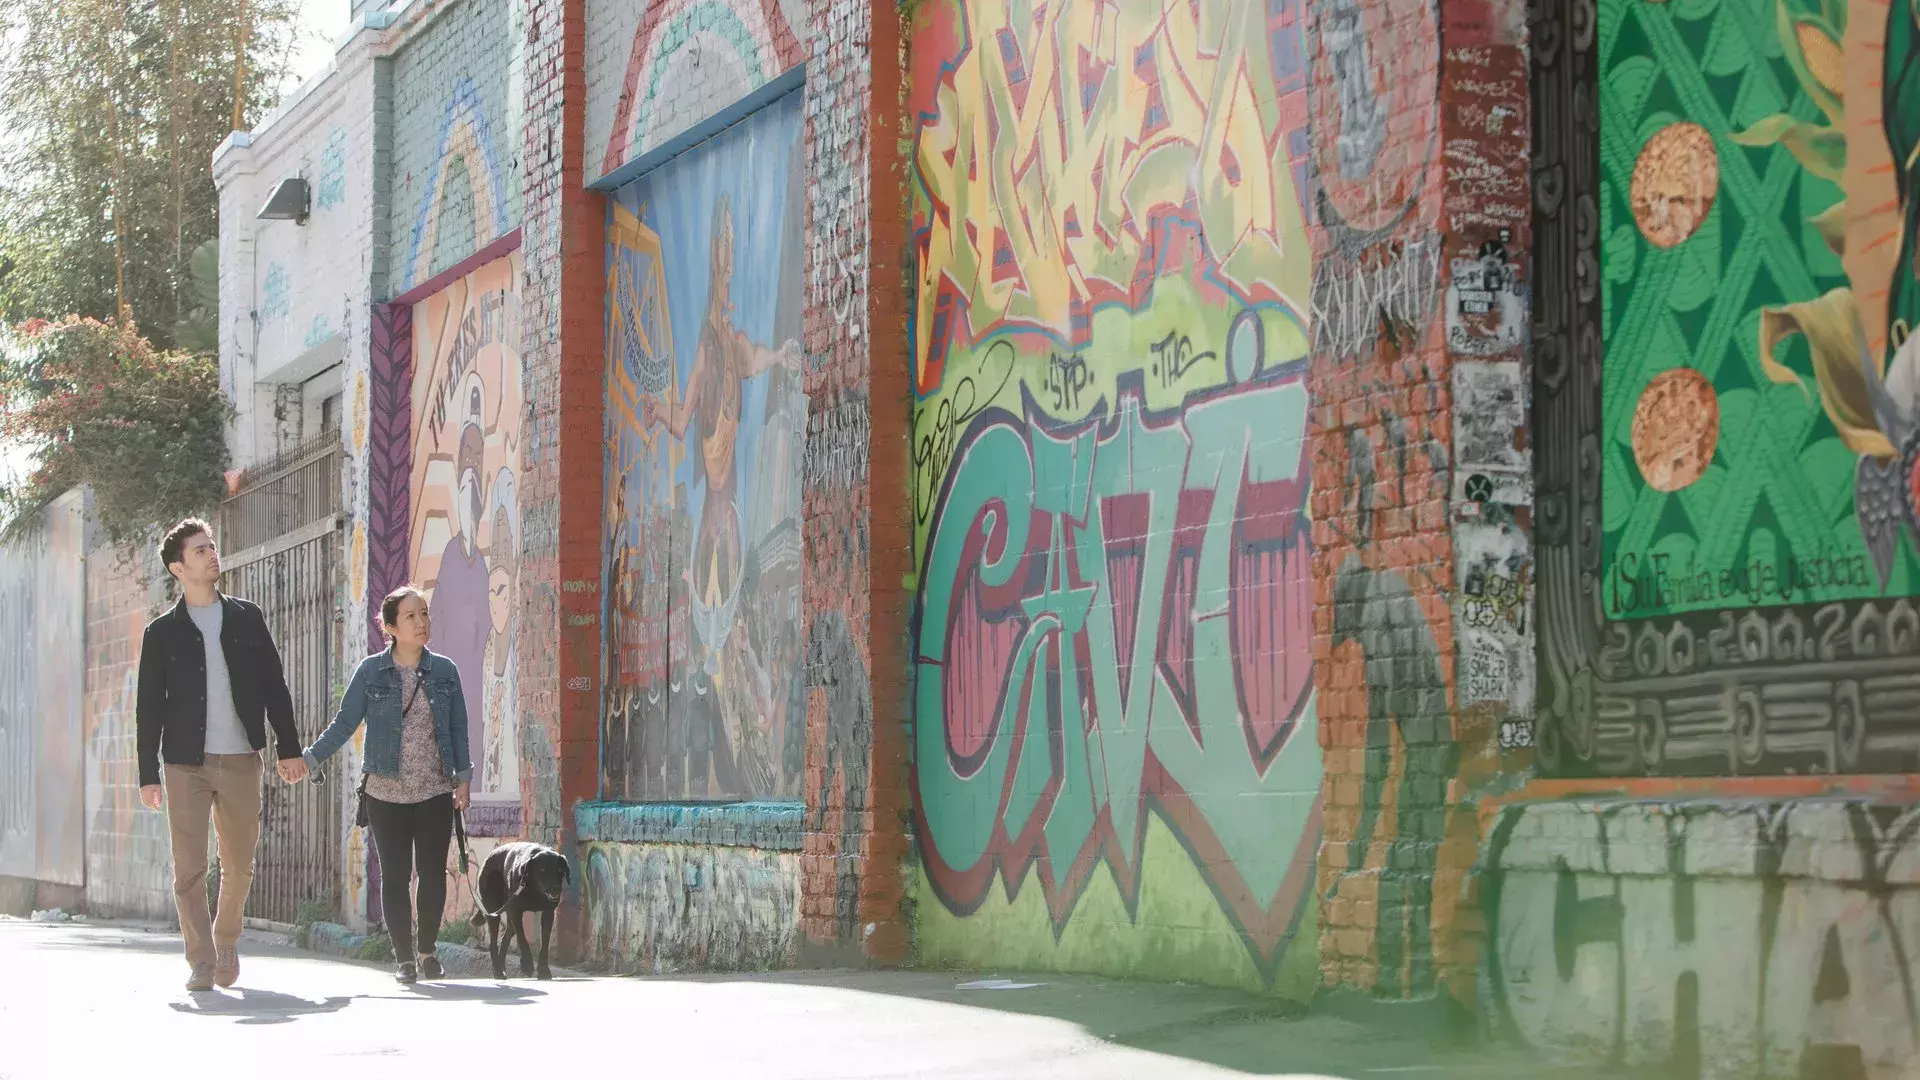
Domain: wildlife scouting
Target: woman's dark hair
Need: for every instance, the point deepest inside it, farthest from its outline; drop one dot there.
(390, 607)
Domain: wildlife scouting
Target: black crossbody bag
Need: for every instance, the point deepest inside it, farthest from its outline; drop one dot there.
(360, 807)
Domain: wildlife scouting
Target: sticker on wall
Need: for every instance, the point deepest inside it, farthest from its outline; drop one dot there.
(1486, 305)
(1493, 570)
(1491, 464)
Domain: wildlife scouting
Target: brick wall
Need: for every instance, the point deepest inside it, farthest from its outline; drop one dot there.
(129, 858)
(562, 248)
(1421, 484)
(457, 176)
(853, 878)
(657, 67)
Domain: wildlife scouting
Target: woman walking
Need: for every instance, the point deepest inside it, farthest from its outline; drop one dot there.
(417, 770)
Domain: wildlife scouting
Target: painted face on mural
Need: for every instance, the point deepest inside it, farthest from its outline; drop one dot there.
(468, 499)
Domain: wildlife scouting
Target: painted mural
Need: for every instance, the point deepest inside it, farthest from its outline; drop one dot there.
(1114, 709)
(1761, 390)
(456, 146)
(679, 62)
(467, 410)
(704, 693)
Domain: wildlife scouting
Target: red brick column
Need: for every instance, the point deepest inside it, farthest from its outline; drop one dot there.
(858, 535)
(564, 249)
(1421, 165)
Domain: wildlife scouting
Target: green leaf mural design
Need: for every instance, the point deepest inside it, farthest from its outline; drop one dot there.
(1755, 441)
(1900, 100)
(1821, 150)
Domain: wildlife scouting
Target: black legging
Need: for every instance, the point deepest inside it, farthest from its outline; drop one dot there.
(410, 837)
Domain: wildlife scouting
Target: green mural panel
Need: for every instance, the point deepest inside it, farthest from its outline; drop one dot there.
(1759, 388)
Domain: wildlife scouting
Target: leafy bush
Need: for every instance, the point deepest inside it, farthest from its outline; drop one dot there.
(95, 403)
(378, 948)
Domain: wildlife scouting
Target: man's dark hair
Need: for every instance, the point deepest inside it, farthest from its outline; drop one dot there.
(173, 547)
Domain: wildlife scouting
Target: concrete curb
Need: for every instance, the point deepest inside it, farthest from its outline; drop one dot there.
(465, 961)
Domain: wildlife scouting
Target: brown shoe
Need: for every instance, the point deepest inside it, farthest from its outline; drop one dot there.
(226, 965)
(201, 979)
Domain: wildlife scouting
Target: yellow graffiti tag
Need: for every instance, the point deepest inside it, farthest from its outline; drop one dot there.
(1058, 142)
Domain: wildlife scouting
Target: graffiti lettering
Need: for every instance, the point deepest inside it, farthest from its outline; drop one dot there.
(1771, 940)
(1117, 613)
(1173, 357)
(1044, 206)
(1067, 377)
(1353, 298)
(936, 430)
(838, 441)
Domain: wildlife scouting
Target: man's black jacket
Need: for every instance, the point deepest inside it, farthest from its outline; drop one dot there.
(172, 712)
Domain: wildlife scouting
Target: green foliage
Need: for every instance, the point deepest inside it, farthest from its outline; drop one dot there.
(198, 331)
(378, 948)
(113, 110)
(314, 909)
(98, 405)
(456, 932)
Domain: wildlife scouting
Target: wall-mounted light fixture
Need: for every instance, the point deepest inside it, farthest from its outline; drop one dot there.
(290, 201)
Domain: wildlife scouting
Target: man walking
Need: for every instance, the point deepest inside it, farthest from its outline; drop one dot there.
(208, 672)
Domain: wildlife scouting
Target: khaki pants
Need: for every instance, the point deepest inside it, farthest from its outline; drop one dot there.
(228, 788)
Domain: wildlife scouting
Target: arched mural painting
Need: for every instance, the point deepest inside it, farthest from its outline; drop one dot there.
(706, 425)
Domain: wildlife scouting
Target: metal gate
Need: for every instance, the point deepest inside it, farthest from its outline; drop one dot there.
(286, 515)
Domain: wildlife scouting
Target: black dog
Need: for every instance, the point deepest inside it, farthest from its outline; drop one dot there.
(518, 878)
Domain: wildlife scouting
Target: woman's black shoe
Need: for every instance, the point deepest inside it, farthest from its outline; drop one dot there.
(407, 974)
(430, 968)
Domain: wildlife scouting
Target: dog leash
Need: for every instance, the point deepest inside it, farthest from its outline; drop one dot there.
(460, 833)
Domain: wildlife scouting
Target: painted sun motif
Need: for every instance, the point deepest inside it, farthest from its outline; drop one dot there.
(1674, 183)
(1676, 426)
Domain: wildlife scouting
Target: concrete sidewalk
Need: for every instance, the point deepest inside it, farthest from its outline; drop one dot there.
(110, 998)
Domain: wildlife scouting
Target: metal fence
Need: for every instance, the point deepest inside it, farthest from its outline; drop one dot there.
(283, 495)
(282, 530)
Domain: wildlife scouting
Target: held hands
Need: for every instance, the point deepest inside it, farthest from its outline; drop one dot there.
(292, 770)
(150, 795)
(462, 794)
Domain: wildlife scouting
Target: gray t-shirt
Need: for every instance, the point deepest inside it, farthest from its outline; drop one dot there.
(224, 733)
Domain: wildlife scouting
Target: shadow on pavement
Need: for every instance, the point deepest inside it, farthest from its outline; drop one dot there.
(1255, 1034)
(258, 1006)
(490, 993)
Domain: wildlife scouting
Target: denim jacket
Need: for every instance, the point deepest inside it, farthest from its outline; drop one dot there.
(376, 696)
